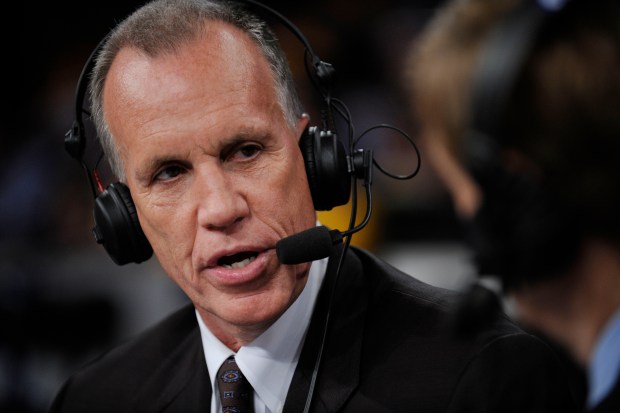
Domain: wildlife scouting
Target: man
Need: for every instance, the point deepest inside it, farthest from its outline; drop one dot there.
(536, 182)
(199, 118)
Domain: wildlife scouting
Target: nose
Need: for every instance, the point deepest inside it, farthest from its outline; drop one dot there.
(221, 203)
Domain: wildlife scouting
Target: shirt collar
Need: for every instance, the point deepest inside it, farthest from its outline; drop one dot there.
(269, 362)
(605, 367)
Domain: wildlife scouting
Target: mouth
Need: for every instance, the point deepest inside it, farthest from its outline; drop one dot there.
(239, 260)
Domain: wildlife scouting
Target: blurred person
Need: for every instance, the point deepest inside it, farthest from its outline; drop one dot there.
(518, 107)
(194, 103)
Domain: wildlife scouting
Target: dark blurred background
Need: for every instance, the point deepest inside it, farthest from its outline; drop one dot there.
(62, 300)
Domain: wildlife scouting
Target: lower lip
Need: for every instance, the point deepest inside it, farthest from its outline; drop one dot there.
(238, 276)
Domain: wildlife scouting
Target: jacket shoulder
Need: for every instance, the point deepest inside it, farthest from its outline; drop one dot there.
(114, 378)
(413, 322)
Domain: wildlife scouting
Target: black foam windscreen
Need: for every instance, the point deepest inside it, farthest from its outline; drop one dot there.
(309, 245)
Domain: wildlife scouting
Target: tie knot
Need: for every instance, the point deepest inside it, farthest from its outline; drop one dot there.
(236, 392)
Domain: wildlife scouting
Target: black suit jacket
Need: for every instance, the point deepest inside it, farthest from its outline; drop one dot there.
(386, 350)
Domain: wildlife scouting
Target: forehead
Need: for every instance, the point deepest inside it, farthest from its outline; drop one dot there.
(226, 57)
(218, 49)
(220, 74)
(219, 61)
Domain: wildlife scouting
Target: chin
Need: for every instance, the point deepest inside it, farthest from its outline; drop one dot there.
(259, 310)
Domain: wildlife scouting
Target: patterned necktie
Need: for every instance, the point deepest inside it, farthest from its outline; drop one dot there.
(236, 393)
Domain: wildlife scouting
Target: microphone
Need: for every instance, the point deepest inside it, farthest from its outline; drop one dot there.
(309, 245)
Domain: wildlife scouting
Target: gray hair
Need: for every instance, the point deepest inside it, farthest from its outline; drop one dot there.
(165, 25)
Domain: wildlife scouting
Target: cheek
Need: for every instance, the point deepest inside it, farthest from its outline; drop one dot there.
(167, 228)
(292, 201)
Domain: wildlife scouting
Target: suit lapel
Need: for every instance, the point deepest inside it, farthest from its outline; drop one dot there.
(181, 382)
(338, 374)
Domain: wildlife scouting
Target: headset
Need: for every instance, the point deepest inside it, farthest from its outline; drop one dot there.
(328, 168)
(521, 232)
(331, 172)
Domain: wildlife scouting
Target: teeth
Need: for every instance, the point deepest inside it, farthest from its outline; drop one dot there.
(240, 264)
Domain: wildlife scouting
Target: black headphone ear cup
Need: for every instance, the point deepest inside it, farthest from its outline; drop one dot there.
(306, 145)
(326, 167)
(521, 232)
(117, 226)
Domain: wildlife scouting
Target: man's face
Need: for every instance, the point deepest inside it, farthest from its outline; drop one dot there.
(215, 172)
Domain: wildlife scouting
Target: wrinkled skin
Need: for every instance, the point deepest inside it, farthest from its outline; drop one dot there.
(214, 171)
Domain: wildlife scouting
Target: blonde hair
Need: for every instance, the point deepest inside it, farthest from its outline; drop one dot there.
(441, 62)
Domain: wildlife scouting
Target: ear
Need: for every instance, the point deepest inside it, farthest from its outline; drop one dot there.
(302, 124)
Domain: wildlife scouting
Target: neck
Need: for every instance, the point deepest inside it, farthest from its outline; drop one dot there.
(574, 309)
(601, 296)
(232, 336)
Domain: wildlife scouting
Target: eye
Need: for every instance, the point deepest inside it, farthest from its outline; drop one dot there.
(168, 173)
(245, 152)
